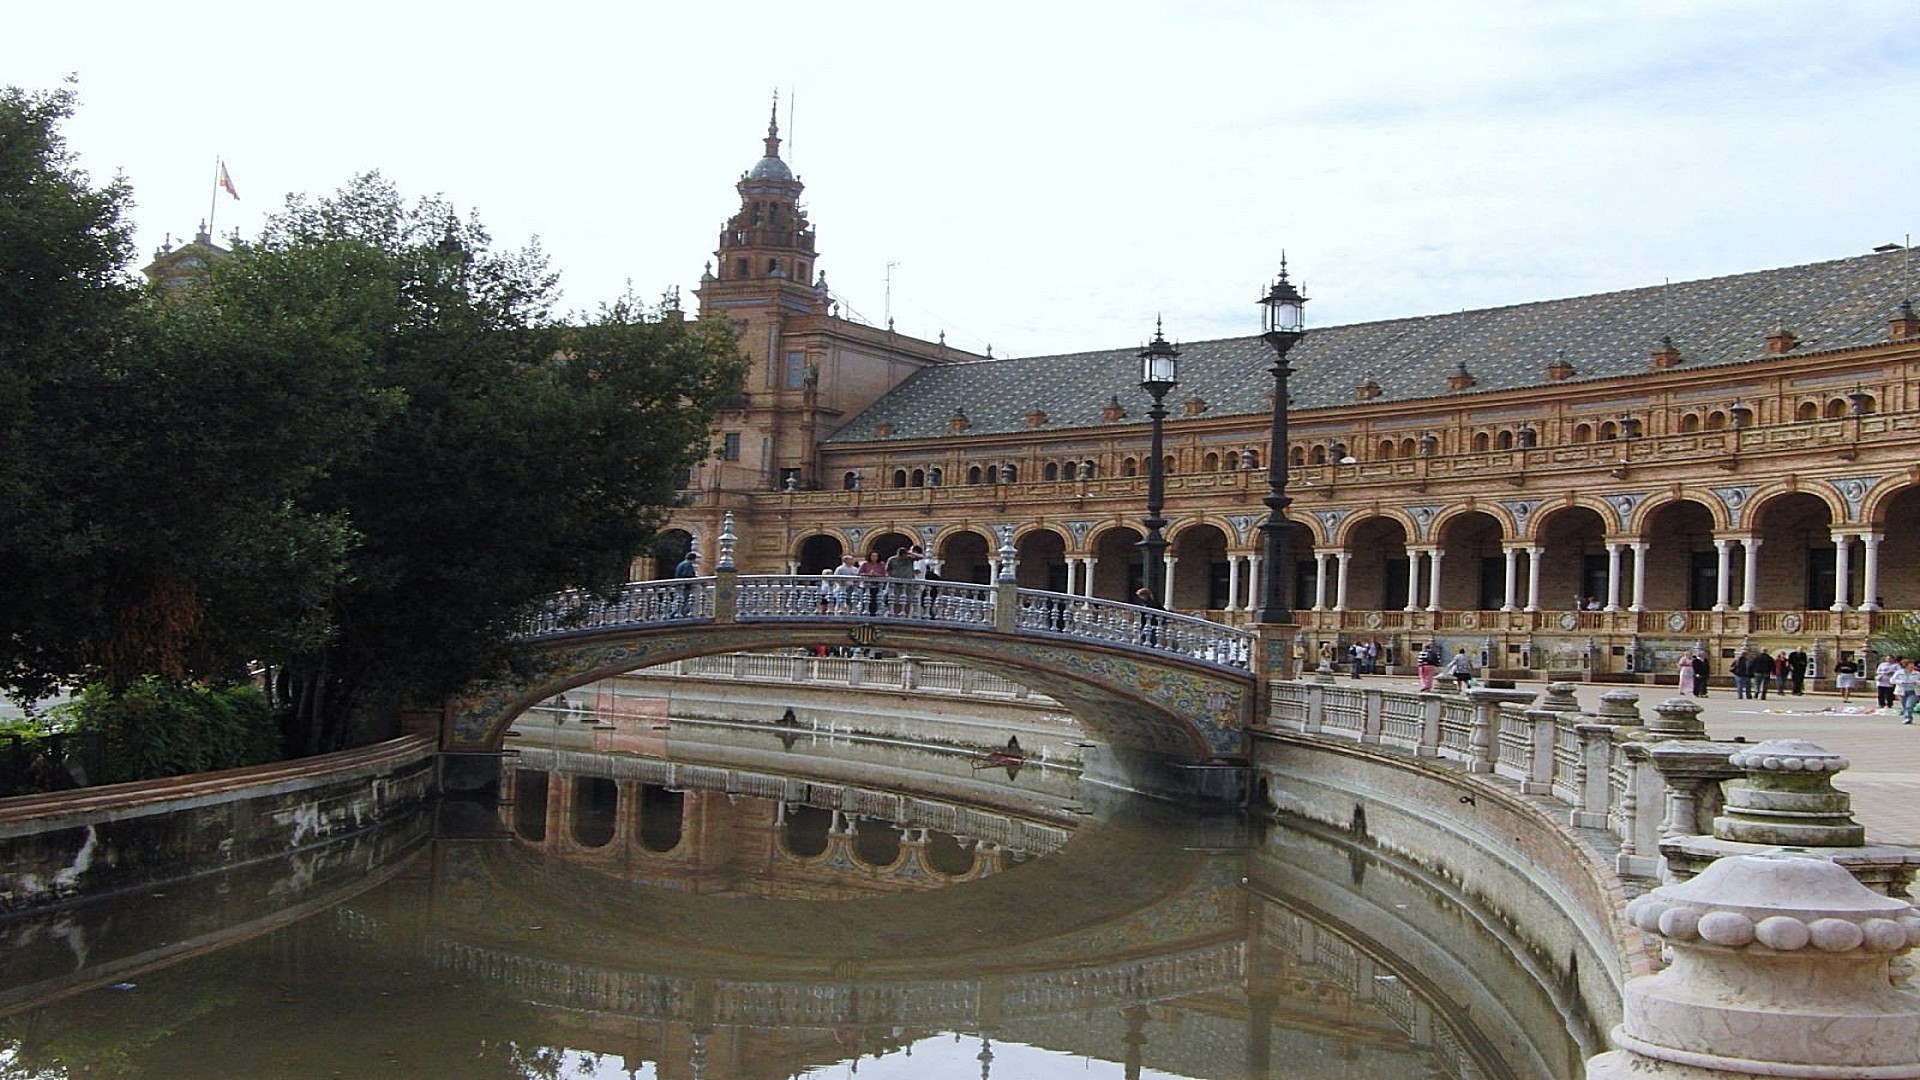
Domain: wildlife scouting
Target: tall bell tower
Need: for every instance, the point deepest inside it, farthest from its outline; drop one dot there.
(810, 368)
(766, 252)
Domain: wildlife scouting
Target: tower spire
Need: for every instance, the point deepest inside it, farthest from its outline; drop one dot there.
(773, 126)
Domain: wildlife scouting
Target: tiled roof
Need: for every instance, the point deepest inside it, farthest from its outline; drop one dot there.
(1718, 321)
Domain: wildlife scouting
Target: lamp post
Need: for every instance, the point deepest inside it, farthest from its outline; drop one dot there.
(1159, 373)
(1283, 324)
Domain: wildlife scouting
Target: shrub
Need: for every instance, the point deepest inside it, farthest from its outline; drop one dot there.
(158, 728)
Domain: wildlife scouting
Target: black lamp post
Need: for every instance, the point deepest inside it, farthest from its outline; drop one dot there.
(1159, 373)
(1283, 324)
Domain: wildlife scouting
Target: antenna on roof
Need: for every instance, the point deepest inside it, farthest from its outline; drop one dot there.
(791, 99)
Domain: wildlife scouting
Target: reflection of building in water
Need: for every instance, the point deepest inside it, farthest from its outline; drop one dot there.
(712, 830)
(1117, 945)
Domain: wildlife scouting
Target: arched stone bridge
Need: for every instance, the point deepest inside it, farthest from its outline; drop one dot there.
(1172, 688)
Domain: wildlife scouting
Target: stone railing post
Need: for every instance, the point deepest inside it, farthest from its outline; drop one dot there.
(1543, 730)
(1592, 776)
(1372, 714)
(1640, 813)
(1316, 718)
(1429, 744)
(910, 673)
(1789, 802)
(1780, 967)
(726, 597)
(1483, 733)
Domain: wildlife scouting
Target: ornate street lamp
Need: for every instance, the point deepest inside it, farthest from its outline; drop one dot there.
(1283, 324)
(1159, 373)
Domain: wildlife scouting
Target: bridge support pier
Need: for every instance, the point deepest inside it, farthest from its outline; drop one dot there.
(1108, 771)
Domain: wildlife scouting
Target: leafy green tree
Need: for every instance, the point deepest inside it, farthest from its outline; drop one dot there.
(358, 452)
(1902, 639)
(150, 454)
(522, 455)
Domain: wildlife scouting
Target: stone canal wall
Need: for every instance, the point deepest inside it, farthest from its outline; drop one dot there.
(110, 839)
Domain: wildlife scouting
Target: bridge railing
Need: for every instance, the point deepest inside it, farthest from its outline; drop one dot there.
(814, 596)
(636, 602)
(1084, 618)
(803, 597)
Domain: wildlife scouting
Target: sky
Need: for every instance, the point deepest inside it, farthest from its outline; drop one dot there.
(1040, 177)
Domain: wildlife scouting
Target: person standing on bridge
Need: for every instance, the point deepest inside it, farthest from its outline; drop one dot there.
(689, 568)
(900, 582)
(873, 573)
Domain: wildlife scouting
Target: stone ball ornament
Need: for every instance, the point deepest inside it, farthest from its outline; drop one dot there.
(1789, 755)
(1783, 920)
(1777, 965)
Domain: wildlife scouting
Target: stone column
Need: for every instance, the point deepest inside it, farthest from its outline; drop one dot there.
(1870, 572)
(1433, 579)
(1233, 583)
(1613, 576)
(1639, 576)
(1842, 573)
(1413, 579)
(1070, 574)
(1723, 582)
(1752, 591)
(1319, 581)
(1086, 578)
(1340, 593)
(1533, 577)
(1513, 566)
(1780, 967)
(1253, 583)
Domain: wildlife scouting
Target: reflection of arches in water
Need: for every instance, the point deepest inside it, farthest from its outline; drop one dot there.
(945, 854)
(530, 805)
(808, 830)
(595, 800)
(660, 817)
(876, 843)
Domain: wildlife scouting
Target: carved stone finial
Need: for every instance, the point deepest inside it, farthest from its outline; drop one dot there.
(1780, 968)
(1789, 798)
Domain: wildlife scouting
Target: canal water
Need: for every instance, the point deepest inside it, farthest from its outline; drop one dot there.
(734, 904)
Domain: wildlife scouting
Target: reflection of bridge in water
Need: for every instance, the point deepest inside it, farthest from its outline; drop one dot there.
(1159, 690)
(1174, 950)
(1183, 948)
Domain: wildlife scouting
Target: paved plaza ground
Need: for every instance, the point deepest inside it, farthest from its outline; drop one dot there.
(1884, 777)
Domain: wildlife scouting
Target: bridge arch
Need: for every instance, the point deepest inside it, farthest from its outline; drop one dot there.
(1159, 691)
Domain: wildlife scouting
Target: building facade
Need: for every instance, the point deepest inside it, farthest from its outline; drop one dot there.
(1589, 485)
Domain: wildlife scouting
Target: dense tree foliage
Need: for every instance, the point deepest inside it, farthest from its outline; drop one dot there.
(357, 452)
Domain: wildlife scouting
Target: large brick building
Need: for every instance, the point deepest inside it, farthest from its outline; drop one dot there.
(1588, 483)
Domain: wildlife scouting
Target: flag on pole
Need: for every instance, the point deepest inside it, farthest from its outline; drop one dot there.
(227, 181)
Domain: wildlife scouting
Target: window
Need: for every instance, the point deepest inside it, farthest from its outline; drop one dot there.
(973, 475)
(1050, 471)
(796, 370)
(850, 482)
(730, 446)
(899, 478)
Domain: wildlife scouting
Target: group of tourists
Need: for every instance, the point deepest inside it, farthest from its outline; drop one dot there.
(1759, 672)
(1898, 678)
(1363, 657)
(895, 585)
(1756, 672)
(1428, 663)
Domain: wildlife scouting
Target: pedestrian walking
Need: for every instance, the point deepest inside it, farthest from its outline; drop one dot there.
(1461, 668)
(1761, 669)
(1797, 670)
(1700, 674)
(1906, 682)
(1684, 669)
(1742, 672)
(1846, 676)
(1883, 681)
(1429, 664)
